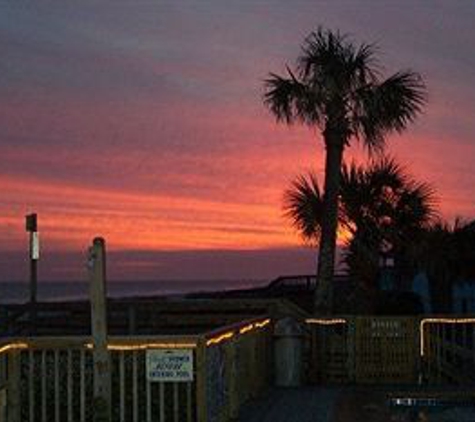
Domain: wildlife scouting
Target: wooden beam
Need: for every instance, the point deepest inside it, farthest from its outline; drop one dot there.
(101, 358)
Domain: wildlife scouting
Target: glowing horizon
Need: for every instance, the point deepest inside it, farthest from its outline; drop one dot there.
(145, 124)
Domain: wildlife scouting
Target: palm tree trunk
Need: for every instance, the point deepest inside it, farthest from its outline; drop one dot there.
(323, 300)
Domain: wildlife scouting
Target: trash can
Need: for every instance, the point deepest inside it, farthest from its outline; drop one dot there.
(288, 342)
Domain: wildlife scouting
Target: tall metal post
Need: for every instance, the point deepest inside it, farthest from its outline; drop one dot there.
(34, 255)
(101, 359)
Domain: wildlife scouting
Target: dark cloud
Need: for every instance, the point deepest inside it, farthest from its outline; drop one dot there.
(264, 264)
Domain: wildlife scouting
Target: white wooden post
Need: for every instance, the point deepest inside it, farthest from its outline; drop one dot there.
(101, 359)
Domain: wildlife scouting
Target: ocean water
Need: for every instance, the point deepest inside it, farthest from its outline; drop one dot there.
(18, 292)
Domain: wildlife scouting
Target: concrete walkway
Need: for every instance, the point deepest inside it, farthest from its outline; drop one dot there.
(306, 404)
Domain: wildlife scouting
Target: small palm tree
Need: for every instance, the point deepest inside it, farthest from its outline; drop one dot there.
(382, 209)
(446, 254)
(390, 212)
(337, 88)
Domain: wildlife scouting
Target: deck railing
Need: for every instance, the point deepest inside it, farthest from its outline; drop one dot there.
(392, 350)
(448, 350)
(51, 378)
(237, 367)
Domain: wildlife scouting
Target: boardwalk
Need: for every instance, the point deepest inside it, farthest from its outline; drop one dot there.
(359, 404)
(306, 404)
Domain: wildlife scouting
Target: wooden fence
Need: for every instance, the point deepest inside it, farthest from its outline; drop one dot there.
(50, 378)
(392, 350)
(447, 348)
(235, 371)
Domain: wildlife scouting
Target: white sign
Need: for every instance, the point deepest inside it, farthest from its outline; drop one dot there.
(35, 246)
(170, 365)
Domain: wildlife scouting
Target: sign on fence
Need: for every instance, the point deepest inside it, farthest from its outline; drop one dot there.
(170, 365)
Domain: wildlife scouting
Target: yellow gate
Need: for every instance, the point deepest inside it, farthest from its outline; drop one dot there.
(329, 361)
(366, 350)
(385, 350)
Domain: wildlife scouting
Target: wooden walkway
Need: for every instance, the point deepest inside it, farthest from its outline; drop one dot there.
(305, 404)
(359, 404)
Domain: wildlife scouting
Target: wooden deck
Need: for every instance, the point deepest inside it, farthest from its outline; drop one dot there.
(361, 404)
(232, 344)
(305, 404)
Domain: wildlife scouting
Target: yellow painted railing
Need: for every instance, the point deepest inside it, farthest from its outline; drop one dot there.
(385, 349)
(50, 378)
(447, 347)
(236, 364)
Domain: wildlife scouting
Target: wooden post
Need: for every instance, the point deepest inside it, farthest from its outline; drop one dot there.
(201, 382)
(101, 359)
(233, 381)
(472, 343)
(351, 349)
(420, 361)
(13, 387)
(3, 404)
(3, 388)
(438, 353)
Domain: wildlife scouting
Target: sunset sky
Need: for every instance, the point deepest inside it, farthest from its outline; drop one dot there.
(143, 122)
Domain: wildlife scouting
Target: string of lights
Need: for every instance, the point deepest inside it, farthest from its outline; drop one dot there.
(118, 346)
(329, 321)
(13, 346)
(232, 333)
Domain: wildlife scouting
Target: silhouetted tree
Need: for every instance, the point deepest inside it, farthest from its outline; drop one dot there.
(446, 254)
(389, 212)
(336, 87)
(381, 208)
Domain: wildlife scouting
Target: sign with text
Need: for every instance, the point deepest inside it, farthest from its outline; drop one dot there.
(174, 365)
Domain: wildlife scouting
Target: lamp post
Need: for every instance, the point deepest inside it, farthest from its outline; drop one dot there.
(34, 255)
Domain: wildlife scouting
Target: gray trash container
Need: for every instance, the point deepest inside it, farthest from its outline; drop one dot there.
(288, 342)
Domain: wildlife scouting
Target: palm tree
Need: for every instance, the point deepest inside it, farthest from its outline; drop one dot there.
(446, 254)
(337, 88)
(382, 209)
(390, 212)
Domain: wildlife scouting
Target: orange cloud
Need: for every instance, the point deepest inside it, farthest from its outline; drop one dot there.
(213, 179)
(70, 216)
